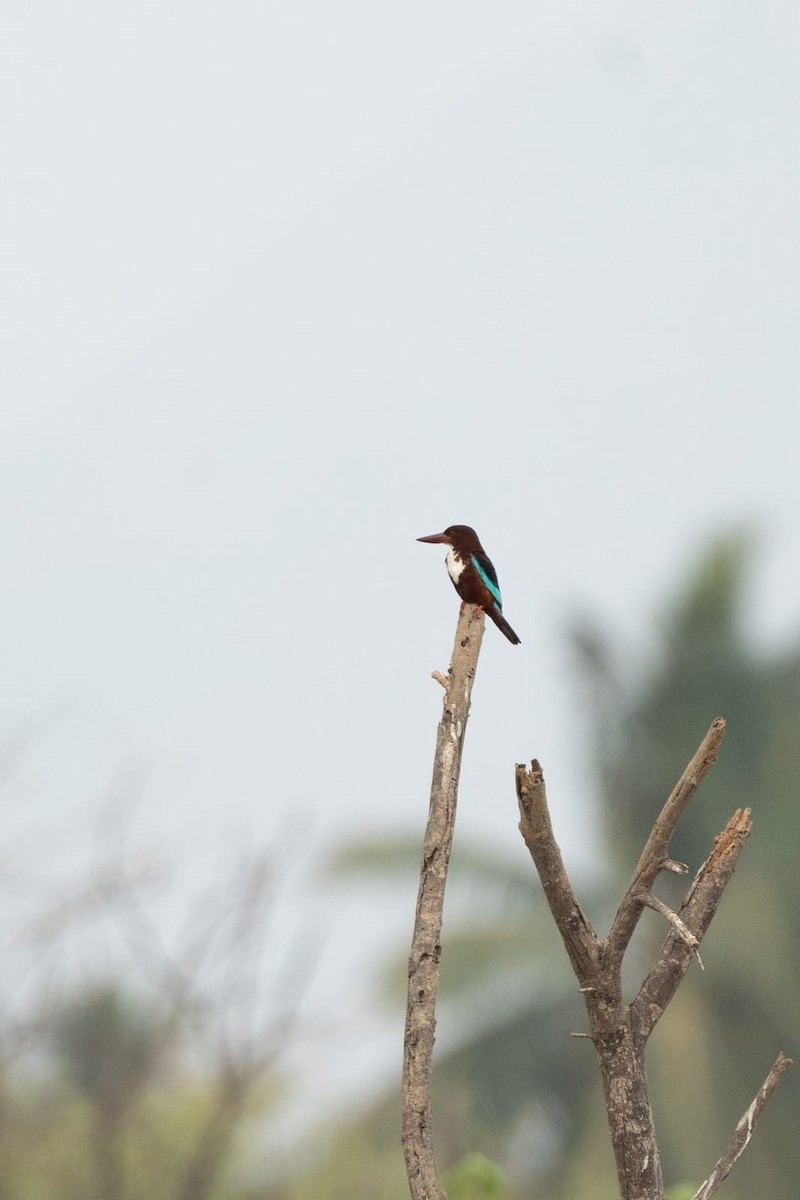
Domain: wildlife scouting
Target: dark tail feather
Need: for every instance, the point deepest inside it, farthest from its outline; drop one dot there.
(502, 624)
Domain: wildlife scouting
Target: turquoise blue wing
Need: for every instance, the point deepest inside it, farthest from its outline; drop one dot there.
(489, 576)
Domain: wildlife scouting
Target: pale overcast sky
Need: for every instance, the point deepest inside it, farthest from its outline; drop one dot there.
(146, 148)
(285, 287)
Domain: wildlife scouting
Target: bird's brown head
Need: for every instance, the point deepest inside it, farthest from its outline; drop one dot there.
(463, 537)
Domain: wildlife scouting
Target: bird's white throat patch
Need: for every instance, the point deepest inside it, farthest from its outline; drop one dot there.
(455, 567)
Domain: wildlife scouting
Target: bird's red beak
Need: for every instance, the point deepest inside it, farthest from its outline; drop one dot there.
(436, 537)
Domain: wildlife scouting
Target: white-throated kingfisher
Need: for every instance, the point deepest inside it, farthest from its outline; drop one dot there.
(472, 573)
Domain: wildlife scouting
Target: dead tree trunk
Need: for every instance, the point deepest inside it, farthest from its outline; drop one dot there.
(620, 1031)
(423, 963)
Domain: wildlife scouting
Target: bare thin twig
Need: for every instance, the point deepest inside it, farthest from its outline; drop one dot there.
(683, 932)
(654, 855)
(423, 963)
(677, 868)
(744, 1130)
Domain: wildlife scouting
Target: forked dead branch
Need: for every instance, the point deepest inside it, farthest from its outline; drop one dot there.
(620, 1031)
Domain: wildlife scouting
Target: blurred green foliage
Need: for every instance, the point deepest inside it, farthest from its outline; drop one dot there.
(475, 1178)
(80, 1128)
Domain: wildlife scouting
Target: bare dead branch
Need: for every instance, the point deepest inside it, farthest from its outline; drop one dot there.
(423, 964)
(654, 855)
(536, 828)
(677, 868)
(674, 920)
(620, 1031)
(744, 1130)
(696, 912)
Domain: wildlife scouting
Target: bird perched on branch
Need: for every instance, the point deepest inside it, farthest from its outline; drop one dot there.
(472, 573)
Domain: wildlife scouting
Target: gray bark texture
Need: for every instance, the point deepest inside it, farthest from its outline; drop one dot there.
(620, 1031)
(423, 963)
